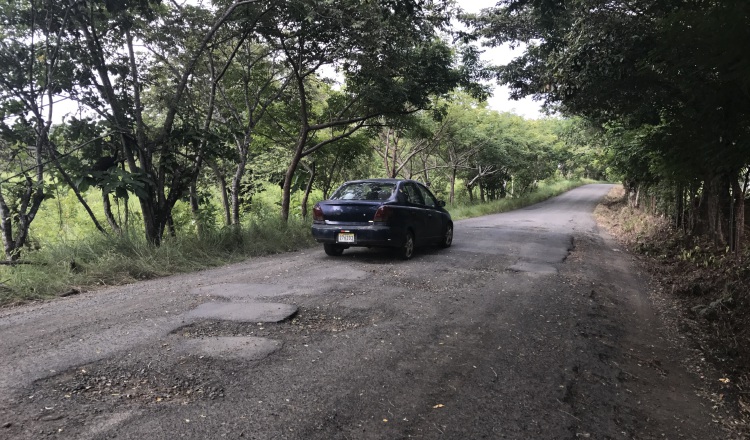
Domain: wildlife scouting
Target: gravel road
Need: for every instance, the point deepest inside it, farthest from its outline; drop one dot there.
(533, 325)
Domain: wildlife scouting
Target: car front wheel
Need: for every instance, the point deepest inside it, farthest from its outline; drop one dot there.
(333, 250)
(407, 249)
(447, 237)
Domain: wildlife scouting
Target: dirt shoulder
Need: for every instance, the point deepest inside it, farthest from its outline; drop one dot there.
(700, 295)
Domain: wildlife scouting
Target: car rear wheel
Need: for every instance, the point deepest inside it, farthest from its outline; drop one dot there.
(333, 250)
(406, 251)
(447, 237)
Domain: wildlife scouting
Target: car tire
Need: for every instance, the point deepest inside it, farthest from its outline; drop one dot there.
(334, 250)
(406, 251)
(447, 237)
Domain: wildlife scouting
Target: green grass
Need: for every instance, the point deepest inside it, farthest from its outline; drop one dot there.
(87, 260)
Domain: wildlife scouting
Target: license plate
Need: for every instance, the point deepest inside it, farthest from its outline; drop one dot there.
(346, 237)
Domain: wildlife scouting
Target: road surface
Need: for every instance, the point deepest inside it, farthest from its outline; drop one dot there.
(533, 325)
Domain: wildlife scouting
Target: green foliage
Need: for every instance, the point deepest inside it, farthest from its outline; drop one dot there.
(667, 81)
(346, 159)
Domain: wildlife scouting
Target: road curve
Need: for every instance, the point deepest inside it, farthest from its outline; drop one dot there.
(533, 325)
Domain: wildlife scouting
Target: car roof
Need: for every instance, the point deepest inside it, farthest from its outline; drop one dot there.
(379, 180)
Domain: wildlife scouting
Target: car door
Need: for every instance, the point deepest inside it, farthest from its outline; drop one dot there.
(413, 208)
(433, 226)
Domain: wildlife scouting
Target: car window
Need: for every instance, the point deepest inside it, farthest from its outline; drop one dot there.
(411, 194)
(429, 199)
(364, 191)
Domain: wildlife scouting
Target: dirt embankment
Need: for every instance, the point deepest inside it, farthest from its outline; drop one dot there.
(704, 291)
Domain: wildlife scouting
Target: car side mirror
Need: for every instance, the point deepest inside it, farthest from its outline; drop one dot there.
(441, 203)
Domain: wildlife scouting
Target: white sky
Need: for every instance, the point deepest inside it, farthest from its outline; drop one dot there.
(500, 100)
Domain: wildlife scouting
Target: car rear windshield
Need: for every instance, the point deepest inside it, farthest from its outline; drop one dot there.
(364, 191)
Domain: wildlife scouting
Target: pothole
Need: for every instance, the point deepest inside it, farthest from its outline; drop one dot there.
(167, 373)
(115, 383)
(306, 321)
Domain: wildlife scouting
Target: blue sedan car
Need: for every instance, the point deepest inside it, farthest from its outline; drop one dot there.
(395, 213)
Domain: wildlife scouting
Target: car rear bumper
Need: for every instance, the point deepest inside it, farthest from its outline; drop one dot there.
(385, 236)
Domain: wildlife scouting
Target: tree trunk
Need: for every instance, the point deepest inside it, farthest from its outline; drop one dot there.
(222, 182)
(738, 226)
(289, 176)
(308, 189)
(712, 210)
(304, 133)
(637, 200)
(127, 214)
(394, 171)
(6, 227)
(170, 226)
(195, 211)
(234, 197)
(108, 214)
(30, 201)
(235, 191)
(286, 189)
(452, 197)
(680, 206)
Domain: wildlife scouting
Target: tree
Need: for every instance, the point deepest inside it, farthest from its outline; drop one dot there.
(162, 151)
(251, 82)
(346, 159)
(388, 53)
(402, 141)
(580, 150)
(84, 156)
(464, 137)
(645, 64)
(33, 70)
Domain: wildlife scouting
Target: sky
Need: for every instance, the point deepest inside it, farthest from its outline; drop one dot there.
(500, 100)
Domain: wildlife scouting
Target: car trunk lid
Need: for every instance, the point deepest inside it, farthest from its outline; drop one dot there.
(349, 212)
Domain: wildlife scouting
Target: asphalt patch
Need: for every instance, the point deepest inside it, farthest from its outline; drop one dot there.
(231, 347)
(244, 312)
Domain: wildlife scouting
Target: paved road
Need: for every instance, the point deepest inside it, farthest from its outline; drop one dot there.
(534, 325)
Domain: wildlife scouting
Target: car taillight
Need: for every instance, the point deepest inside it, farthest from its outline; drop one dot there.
(318, 213)
(383, 214)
